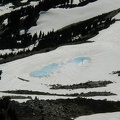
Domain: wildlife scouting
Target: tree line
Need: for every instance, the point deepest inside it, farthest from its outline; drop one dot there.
(78, 32)
(60, 109)
(23, 19)
(6, 111)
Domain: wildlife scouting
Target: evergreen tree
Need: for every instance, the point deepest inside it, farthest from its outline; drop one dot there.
(34, 38)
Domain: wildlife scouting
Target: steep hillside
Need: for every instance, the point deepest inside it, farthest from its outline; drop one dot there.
(83, 65)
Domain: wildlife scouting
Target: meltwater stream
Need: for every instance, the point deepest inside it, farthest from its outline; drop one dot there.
(54, 67)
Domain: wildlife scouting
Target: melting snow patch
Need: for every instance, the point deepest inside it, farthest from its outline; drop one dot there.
(80, 60)
(47, 70)
(52, 68)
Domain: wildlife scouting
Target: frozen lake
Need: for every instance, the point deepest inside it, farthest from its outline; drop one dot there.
(54, 67)
(46, 71)
(80, 60)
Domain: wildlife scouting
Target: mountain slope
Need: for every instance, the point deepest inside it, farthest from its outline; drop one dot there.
(103, 56)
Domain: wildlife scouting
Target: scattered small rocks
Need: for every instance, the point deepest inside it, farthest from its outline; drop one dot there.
(116, 72)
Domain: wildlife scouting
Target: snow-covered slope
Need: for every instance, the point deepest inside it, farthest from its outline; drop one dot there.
(105, 116)
(71, 64)
(104, 58)
(7, 8)
(58, 18)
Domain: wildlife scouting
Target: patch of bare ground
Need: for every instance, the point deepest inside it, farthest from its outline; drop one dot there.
(89, 84)
(88, 94)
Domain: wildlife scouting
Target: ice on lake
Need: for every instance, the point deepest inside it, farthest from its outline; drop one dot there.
(54, 67)
(47, 70)
(80, 60)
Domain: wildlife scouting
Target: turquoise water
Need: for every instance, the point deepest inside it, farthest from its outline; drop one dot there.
(79, 60)
(46, 71)
(51, 68)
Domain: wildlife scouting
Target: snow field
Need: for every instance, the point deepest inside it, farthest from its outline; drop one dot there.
(104, 54)
(55, 19)
(105, 116)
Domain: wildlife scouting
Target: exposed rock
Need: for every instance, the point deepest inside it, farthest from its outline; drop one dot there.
(89, 84)
(116, 72)
(61, 109)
